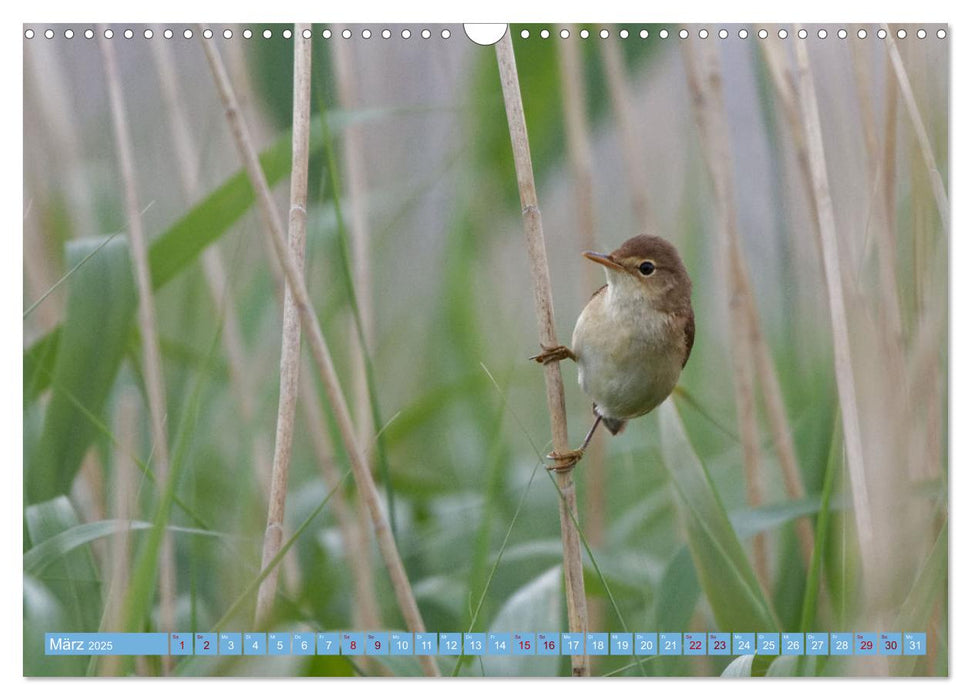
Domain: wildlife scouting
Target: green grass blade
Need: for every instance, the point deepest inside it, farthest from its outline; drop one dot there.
(75, 579)
(45, 554)
(724, 572)
(93, 339)
(172, 252)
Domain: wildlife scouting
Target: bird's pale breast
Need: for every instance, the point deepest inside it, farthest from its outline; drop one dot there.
(628, 361)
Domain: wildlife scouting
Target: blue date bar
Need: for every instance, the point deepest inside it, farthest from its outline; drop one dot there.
(106, 644)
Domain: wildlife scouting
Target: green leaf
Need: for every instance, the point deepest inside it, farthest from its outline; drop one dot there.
(783, 666)
(678, 593)
(172, 252)
(45, 554)
(533, 608)
(740, 667)
(725, 575)
(101, 300)
(74, 579)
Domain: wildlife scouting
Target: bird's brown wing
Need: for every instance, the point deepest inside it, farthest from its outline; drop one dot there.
(689, 336)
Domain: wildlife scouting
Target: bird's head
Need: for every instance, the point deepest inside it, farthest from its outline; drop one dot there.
(646, 269)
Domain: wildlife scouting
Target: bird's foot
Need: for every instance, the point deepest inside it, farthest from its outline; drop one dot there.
(564, 461)
(554, 354)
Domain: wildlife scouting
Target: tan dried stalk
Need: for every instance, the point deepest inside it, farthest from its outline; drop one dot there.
(122, 500)
(923, 141)
(187, 158)
(319, 352)
(367, 610)
(151, 357)
(879, 210)
(574, 88)
(354, 532)
(214, 270)
(356, 196)
(845, 381)
(352, 521)
(704, 81)
(576, 602)
(290, 343)
(618, 85)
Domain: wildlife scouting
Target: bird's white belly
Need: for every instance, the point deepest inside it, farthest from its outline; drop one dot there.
(626, 375)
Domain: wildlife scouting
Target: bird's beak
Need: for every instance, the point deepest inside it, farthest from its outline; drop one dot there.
(605, 260)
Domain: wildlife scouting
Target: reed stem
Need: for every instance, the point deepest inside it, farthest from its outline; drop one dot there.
(704, 81)
(320, 353)
(845, 382)
(576, 602)
(151, 356)
(290, 342)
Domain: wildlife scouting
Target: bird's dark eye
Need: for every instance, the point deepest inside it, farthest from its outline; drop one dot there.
(647, 268)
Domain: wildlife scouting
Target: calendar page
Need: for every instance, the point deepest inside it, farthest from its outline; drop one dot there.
(529, 350)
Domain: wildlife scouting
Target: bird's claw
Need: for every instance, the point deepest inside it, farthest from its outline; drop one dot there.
(553, 354)
(563, 461)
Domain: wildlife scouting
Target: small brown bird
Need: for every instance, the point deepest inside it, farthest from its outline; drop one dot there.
(633, 337)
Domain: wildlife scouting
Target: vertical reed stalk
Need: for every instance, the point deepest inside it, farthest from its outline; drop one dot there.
(353, 158)
(576, 602)
(704, 80)
(923, 141)
(619, 88)
(214, 270)
(352, 521)
(357, 545)
(290, 343)
(151, 357)
(123, 498)
(845, 382)
(319, 352)
(574, 88)
(366, 610)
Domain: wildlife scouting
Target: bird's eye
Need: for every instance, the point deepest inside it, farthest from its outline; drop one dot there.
(647, 268)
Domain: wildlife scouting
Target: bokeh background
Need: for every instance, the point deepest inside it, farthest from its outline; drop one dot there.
(414, 206)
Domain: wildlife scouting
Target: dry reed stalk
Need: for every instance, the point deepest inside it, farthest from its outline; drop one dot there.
(290, 343)
(620, 91)
(845, 381)
(151, 356)
(574, 89)
(923, 141)
(214, 270)
(319, 352)
(889, 172)
(356, 195)
(122, 500)
(576, 602)
(886, 244)
(352, 521)
(579, 152)
(704, 80)
(61, 141)
(357, 545)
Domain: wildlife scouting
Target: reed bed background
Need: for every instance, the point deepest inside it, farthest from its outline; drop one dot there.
(796, 481)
